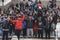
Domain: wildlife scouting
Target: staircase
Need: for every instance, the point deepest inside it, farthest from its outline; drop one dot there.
(6, 3)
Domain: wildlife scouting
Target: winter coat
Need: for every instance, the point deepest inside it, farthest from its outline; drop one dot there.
(30, 23)
(24, 25)
(19, 23)
(6, 25)
(35, 27)
(40, 25)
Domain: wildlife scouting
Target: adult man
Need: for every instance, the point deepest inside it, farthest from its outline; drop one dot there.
(30, 25)
(6, 26)
(18, 24)
(40, 28)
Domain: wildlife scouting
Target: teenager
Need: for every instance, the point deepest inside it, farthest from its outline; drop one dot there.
(35, 28)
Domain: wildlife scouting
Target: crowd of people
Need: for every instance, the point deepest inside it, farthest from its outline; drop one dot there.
(31, 18)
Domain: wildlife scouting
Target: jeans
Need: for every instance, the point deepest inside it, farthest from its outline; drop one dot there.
(17, 32)
(47, 33)
(5, 34)
(40, 33)
(24, 32)
(30, 32)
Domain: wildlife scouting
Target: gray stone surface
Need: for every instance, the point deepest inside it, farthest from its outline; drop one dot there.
(44, 2)
(31, 39)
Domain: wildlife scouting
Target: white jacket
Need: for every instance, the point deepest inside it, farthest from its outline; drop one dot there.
(58, 29)
(58, 26)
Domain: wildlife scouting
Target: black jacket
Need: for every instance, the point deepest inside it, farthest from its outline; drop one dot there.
(30, 23)
(6, 25)
(40, 26)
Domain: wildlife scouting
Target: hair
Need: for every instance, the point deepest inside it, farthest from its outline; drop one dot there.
(40, 2)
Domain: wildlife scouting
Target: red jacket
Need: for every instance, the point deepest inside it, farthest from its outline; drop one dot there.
(35, 27)
(18, 23)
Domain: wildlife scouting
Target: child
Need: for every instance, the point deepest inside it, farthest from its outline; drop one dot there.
(35, 28)
(24, 28)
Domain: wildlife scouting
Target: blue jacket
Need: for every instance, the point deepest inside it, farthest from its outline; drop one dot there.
(24, 24)
(48, 25)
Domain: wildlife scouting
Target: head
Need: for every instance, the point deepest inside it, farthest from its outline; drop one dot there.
(30, 17)
(23, 0)
(5, 18)
(11, 17)
(39, 1)
(50, 2)
(19, 17)
(35, 20)
(40, 19)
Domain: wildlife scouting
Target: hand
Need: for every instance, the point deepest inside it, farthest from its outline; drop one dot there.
(8, 18)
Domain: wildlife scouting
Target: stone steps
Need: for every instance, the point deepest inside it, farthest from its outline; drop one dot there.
(18, 1)
(30, 39)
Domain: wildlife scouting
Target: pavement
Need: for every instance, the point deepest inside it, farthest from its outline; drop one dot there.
(31, 39)
(15, 38)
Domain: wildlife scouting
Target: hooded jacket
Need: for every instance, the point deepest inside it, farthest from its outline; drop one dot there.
(19, 23)
(6, 25)
(24, 24)
(35, 26)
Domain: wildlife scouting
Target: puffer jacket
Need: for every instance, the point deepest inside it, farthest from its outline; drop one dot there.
(19, 23)
(35, 27)
(24, 24)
